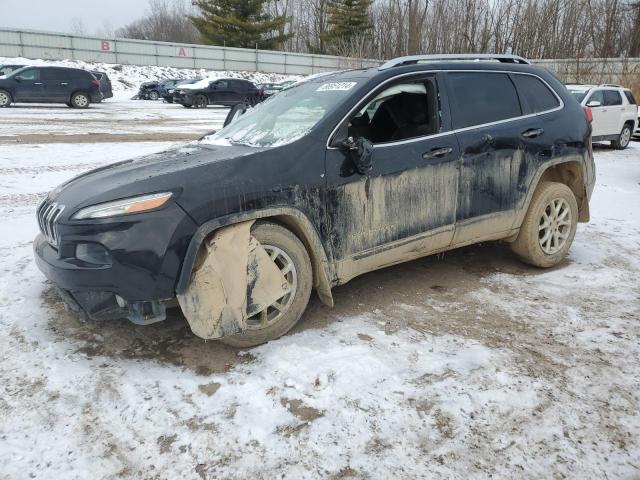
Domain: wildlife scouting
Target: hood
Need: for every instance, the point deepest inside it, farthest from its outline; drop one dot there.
(149, 84)
(171, 170)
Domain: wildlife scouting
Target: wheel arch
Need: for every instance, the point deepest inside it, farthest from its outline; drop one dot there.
(290, 218)
(570, 172)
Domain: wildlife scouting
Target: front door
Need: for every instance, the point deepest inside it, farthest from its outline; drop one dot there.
(404, 207)
(29, 86)
(604, 115)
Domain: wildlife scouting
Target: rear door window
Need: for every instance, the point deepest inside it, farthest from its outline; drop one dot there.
(478, 98)
(537, 97)
(612, 97)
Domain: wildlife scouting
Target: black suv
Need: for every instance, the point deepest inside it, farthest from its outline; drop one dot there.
(224, 91)
(71, 86)
(332, 178)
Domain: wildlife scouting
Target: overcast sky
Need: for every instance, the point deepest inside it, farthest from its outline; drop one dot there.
(97, 16)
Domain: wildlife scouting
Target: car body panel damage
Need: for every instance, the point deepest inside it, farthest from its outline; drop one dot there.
(234, 280)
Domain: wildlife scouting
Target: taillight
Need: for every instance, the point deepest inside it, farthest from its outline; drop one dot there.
(589, 114)
(96, 83)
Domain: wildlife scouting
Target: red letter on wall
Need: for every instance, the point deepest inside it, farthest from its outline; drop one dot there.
(105, 46)
(182, 52)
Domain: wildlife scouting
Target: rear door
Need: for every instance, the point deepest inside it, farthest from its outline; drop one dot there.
(56, 83)
(29, 86)
(487, 116)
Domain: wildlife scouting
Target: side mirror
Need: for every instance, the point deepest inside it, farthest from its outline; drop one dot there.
(236, 112)
(593, 103)
(17, 79)
(361, 152)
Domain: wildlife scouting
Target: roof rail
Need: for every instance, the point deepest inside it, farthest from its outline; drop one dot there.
(413, 59)
(610, 85)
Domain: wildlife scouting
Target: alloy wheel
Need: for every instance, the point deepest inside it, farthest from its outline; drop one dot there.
(81, 100)
(4, 99)
(625, 137)
(554, 226)
(274, 312)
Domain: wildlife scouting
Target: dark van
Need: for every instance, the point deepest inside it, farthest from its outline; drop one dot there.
(72, 86)
(332, 178)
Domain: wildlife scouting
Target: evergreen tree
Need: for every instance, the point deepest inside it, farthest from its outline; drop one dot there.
(239, 23)
(347, 19)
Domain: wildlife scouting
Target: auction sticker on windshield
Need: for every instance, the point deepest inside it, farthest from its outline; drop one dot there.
(336, 86)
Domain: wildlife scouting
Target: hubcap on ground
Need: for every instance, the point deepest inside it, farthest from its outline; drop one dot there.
(625, 137)
(555, 226)
(273, 312)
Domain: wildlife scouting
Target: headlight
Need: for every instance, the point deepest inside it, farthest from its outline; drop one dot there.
(181, 92)
(124, 207)
(170, 91)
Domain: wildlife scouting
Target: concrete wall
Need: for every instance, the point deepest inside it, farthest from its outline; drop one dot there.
(56, 46)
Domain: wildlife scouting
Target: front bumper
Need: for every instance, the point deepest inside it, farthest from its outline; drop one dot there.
(182, 99)
(144, 260)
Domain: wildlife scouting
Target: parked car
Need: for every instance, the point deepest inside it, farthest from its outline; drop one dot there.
(74, 87)
(615, 112)
(330, 179)
(105, 84)
(149, 91)
(7, 69)
(156, 89)
(217, 91)
(168, 91)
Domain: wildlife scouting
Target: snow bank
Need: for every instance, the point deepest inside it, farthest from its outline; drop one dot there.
(129, 77)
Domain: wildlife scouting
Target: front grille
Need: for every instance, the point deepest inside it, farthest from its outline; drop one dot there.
(48, 214)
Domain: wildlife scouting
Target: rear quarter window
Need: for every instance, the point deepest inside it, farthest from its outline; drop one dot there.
(482, 97)
(630, 97)
(536, 96)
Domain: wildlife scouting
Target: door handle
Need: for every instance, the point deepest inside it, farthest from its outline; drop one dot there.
(532, 133)
(64, 83)
(38, 83)
(437, 152)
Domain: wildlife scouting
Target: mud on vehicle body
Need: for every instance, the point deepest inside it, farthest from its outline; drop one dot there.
(335, 177)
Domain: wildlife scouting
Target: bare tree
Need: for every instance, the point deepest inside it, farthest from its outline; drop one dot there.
(165, 21)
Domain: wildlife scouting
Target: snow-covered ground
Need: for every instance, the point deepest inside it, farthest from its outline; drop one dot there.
(117, 116)
(464, 365)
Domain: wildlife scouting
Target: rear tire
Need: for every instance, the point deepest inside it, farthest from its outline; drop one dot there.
(80, 100)
(548, 229)
(5, 99)
(271, 235)
(623, 139)
(154, 95)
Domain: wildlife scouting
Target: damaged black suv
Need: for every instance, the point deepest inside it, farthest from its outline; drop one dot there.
(337, 176)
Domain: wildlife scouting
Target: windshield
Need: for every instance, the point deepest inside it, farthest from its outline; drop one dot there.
(285, 117)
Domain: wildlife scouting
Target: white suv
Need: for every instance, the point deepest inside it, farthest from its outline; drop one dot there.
(615, 112)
